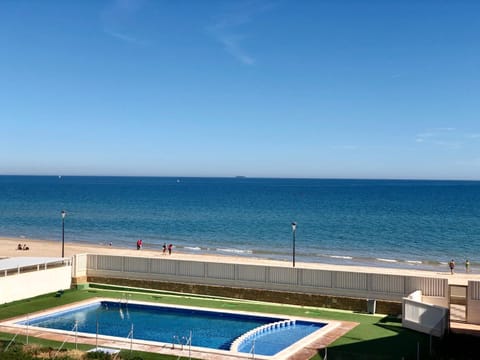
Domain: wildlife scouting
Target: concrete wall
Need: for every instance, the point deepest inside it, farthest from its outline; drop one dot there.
(29, 284)
(285, 279)
(421, 316)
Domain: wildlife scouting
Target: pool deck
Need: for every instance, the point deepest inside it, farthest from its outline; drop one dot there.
(303, 349)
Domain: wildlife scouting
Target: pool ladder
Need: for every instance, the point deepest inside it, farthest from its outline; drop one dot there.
(252, 334)
(120, 303)
(188, 342)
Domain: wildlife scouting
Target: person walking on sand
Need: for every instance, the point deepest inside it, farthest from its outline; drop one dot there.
(170, 249)
(164, 248)
(467, 266)
(451, 265)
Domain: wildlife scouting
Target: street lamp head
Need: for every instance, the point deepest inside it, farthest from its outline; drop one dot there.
(64, 213)
(294, 226)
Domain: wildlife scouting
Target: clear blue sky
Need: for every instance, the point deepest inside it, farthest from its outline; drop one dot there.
(342, 89)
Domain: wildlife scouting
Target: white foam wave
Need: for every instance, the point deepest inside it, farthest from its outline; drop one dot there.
(196, 248)
(414, 262)
(235, 251)
(387, 260)
(341, 257)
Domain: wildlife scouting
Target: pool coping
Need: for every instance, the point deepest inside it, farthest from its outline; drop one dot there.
(303, 349)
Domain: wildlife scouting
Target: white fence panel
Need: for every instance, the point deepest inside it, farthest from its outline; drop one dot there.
(429, 286)
(474, 290)
(163, 267)
(191, 268)
(221, 271)
(283, 276)
(91, 262)
(251, 273)
(326, 282)
(107, 262)
(316, 278)
(388, 283)
(473, 302)
(350, 280)
(138, 265)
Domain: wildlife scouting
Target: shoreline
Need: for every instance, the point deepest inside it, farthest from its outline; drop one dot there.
(51, 248)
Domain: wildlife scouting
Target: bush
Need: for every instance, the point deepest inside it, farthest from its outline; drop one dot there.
(99, 355)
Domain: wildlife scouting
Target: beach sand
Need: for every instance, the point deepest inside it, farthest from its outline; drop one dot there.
(49, 248)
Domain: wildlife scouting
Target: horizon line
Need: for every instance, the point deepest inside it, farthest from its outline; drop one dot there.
(247, 177)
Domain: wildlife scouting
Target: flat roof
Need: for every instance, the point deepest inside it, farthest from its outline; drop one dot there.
(15, 262)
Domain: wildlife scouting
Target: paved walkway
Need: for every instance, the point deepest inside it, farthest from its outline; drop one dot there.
(464, 328)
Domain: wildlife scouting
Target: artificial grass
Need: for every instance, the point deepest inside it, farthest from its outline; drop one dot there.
(375, 337)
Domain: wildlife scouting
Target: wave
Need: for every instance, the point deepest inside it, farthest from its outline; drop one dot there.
(414, 262)
(341, 257)
(235, 251)
(195, 248)
(387, 260)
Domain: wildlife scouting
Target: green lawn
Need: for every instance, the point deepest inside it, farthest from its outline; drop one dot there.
(375, 337)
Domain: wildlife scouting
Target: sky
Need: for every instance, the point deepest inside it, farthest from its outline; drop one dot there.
(277, 88)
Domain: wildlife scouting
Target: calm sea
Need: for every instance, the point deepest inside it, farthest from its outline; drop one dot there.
(413, 224)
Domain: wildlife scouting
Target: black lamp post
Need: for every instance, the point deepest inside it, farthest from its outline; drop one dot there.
(63, 232)
(294, 228)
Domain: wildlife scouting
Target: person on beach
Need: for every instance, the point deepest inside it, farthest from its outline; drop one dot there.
(467, 266)
(139, 244)
(451, 265)
(170, 246)
(164, 248)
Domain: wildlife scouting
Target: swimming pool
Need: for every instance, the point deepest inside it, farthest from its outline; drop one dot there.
(236, 332)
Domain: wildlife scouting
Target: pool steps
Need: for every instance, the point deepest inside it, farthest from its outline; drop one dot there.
(259, 331)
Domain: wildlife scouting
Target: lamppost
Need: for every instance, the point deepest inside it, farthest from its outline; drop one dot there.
(294, 228)
(63, 232)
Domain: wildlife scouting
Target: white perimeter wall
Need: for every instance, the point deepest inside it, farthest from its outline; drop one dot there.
(312, 281)
(34, 283)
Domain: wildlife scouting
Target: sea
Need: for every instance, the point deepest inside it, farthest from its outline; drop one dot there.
(415, 224)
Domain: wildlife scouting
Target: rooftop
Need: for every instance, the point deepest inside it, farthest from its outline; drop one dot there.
(16, 262)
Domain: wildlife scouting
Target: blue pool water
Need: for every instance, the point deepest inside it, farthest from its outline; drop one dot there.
(271, 342)
(211, 329)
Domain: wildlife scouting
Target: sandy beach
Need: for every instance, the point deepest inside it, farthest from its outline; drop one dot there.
(50, 248)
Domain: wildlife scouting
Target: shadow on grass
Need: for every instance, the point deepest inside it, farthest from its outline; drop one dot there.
(401, 344)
